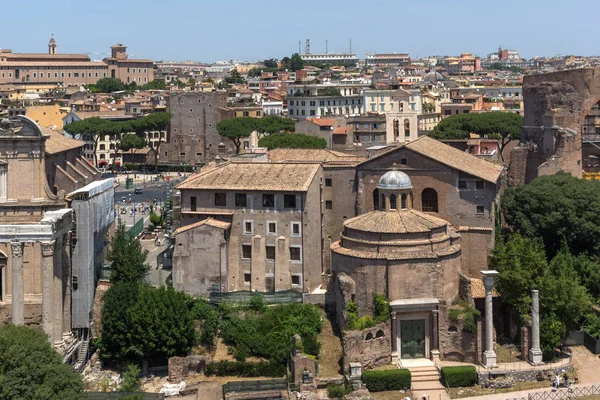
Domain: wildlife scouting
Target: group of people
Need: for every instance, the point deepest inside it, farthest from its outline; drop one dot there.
(565, 377)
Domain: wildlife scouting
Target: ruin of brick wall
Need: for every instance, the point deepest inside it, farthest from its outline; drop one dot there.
(371, 347)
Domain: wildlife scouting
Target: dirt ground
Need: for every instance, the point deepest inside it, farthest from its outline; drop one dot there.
(330, 356)
(587, 365)
(391, 395)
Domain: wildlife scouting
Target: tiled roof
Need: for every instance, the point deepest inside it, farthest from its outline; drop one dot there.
(401, 221)
(76, 63)
(337, 248)
(100, 114)
(278, 155)
(451, 157)
(16, 56)
(208, 221)
(57, 142)
(341, 130)
(255, 176)
(478, 289)
(322, 121)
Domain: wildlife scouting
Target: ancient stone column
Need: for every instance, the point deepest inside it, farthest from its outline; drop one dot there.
(58, 311)
(535, 353)
(394, 333)
(435, 330)
(47, 287)
(489, 355)
(18, 294)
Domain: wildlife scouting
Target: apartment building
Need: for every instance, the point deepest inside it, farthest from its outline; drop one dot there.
(250, 226)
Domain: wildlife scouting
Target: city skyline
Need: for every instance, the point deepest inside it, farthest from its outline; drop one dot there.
(189, 30)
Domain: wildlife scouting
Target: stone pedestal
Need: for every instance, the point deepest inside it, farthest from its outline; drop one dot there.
(489, 355)
(18, 294)
(535, 353)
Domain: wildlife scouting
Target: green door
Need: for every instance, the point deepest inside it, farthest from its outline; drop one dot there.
(412, 338)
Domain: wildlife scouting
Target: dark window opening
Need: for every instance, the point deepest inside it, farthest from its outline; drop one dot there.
(403, 202)
(479, 185)
(328, 204)
(295, 253)
(462, 185)
(270, 250)
(429, 200)
(247, 278)
(376, 199)
(289, 200)
(240, 199)
(296, 280)
(480, 210)
(393, 202)
(193, 203)
(246, 251)
(220, 199)
(268, 200)
(328, 182)
(272, 228)
(403, 161)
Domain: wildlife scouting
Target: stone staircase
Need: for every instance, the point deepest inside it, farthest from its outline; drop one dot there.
(426, 381)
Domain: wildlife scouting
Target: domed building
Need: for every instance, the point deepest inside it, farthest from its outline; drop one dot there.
(411, 257)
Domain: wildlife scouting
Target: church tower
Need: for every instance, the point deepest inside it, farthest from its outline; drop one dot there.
(52, 45)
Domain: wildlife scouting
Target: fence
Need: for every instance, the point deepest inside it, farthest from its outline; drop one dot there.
(287, 296)
(123, 395)
(560, 394)
(255, 386)
(136, 228)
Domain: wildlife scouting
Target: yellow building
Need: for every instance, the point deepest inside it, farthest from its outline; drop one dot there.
(48, 116)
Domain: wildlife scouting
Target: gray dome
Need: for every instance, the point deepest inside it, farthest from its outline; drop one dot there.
(433, 76)
(395, 180)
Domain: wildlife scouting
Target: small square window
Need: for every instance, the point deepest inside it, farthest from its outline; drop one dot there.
(295, 228)
(328, 182)
(220, 199)
(270, 251)
(246, 251)
(403, 161)
(328, 204)
(480, 210)
(289, 200)
(296, 280)
(268, 200)
(248, 228)
(247, 277)
(479, 185)
(272, 228)
(462, 185)
(240, 200)
(295, 254)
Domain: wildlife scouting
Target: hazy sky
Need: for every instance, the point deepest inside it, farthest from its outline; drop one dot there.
(210, 30)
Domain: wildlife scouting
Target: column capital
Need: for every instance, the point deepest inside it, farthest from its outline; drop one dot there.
(535, 291)
(393, 315)
(48, 248)
(16, 249)
(435, 312)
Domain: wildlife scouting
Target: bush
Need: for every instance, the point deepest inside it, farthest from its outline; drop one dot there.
(246, 369)
(336, 391)
(453, 314)
(381, 313)
(462, 376)
(390, 379)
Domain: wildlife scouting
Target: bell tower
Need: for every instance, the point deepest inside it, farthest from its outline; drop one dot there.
(52, 45)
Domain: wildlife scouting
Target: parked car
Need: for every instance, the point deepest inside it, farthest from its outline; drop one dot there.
(138, 191)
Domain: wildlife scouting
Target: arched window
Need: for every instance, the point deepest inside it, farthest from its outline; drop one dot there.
(376, 199)
(429, 200)
(379, 334)
(396, 128)
(406, 127)
(382, 202)
(403, 202)
(393, 202)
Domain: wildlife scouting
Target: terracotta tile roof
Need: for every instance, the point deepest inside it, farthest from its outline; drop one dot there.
(451, 157)
(478, 289)
(278, 155)
(100, 114)
(208, 221)
(16, 56)
(341, 130)
(322, 121)
(57, 142)
(255, 176)
(402, 221)
(337, 248)
(55, 63)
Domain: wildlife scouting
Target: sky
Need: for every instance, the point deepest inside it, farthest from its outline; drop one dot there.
(211, 30)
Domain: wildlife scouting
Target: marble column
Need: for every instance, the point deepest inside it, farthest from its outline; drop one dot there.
(394, 333)
(18, 294)
(48, 288)
(535, 353)
(58, 300)
(435, 341)
(489, 355)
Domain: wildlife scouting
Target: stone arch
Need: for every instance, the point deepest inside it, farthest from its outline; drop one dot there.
(375, 199)
(406, 127)
(379, 333)
(429, 200)
(452, 329)
(392, 202)
(369, 336)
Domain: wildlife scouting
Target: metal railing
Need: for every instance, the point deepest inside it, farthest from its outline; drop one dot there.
(136, 228)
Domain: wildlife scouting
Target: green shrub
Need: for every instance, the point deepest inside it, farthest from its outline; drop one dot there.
(336, 391)
(462, 376)
(390, 379)
(257, 303)
(246, 369)
(453, 314)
